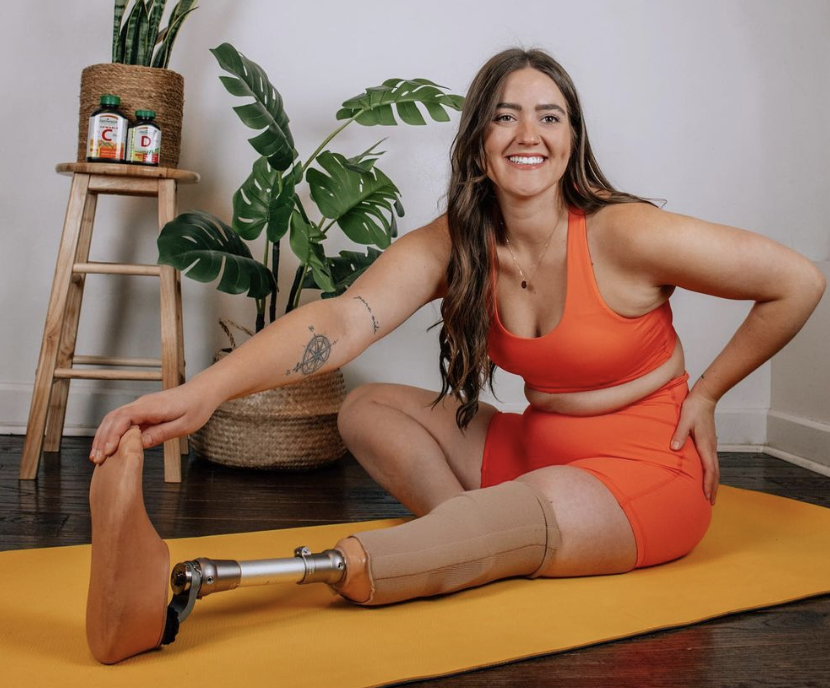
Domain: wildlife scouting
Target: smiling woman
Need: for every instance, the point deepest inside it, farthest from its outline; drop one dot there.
(530, 133)
(549, 272)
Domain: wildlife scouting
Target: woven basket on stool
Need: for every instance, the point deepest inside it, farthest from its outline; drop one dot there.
(288, 428)
(140, 88)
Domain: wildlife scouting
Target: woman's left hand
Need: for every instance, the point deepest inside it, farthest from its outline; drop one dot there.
(697, 418)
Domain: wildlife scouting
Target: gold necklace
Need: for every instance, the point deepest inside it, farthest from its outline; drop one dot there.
(526, 280)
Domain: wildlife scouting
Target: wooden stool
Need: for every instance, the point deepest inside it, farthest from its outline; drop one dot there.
(55, 366)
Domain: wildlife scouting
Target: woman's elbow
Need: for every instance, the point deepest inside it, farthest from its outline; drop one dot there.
(817, 283)
(808, 285)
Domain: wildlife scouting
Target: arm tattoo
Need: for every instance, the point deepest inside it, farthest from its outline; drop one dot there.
(375, 324)
(316, 354)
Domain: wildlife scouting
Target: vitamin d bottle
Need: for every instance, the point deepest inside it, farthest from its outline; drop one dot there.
(107, 139)
(145, 139)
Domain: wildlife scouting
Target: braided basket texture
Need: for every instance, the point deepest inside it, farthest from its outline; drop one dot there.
(140, 88)
(287, 428)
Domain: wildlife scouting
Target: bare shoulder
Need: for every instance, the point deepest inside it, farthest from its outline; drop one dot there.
(425, 250)
(413, 268)
(434, 238)
(679, 250)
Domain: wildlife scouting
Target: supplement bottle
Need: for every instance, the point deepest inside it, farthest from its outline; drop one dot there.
(145, 139)
(107, 139)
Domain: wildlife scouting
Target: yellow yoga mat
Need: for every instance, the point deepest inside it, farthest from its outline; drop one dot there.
(760, 551)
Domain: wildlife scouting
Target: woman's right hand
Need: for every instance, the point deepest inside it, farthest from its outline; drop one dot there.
(160, 416)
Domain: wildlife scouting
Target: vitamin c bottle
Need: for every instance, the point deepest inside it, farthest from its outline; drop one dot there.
(145, 139)
(107, 139)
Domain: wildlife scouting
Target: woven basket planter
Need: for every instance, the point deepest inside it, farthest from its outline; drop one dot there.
(140, 88)
(288, 428)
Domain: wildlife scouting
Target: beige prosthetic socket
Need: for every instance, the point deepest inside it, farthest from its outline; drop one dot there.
(475, 538)
(127, 601)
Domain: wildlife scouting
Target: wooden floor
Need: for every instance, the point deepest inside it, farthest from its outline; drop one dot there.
(786, 646)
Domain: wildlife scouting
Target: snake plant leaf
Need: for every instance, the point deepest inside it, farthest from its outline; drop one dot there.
(375, 105)
(304, 239)
(266, 111)
(140, 56)
(364, 204)
(117, 47)
(155, 21)
(265, 201)
(345, 269)
(177, 17)
(202, 246)
(129, 30)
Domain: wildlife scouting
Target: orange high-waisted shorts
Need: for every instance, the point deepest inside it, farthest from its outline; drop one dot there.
(659, 489)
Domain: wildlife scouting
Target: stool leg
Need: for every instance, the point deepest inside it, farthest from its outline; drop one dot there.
(52, 329)
(60, 389)
(170, 365)
(183, 448)
(171, 345)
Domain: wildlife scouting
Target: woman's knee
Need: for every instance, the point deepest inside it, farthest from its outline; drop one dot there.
(597, 537)
(358, 409)
(353, 409)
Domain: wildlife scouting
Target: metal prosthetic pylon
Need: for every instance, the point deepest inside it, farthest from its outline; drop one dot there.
(195, 579)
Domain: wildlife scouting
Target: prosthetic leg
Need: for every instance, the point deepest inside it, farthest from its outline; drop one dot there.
(474, 538)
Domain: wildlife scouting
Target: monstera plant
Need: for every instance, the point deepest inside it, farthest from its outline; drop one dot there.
(351, 193)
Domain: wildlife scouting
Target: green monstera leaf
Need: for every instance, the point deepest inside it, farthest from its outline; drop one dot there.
(375, 105)
(344, 270)
(304, 239)
(359, 197)
(266, 112)
(265, 201)
(202, 246)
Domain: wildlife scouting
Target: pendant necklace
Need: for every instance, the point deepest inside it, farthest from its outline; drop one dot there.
(526, 280)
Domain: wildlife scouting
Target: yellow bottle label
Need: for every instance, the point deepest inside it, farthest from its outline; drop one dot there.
(107, 137)
(145, 145)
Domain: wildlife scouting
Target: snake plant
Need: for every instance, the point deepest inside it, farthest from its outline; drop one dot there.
(350, 192)
(139, 39)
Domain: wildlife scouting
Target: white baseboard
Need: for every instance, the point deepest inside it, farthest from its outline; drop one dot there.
(803, 438)
(88, 403)
(742, 448)
(798, 461)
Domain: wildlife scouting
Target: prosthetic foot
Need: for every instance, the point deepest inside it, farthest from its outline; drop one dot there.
(126, 605)
(127, 611)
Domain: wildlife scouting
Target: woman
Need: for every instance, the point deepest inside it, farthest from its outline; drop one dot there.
(548, 271)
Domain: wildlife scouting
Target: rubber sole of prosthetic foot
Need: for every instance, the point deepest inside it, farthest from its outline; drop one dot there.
(126, 609)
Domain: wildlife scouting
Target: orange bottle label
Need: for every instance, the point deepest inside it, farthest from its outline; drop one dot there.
(107, 137)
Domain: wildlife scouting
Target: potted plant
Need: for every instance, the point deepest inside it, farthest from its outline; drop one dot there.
(138, 74)
(295, 426)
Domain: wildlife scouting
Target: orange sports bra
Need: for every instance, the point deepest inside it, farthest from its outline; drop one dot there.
(592, 347)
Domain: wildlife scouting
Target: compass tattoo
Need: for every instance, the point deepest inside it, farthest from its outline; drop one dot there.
(316, 353)
(375, 325)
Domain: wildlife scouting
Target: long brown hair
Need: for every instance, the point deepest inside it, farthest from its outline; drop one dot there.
(474, 220)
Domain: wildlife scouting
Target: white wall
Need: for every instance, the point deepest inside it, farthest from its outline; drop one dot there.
(719, 106)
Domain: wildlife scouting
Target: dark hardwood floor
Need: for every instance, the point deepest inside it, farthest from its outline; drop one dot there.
(786, 646)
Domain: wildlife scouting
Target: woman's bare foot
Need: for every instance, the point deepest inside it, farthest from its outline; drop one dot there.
(127, 602)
